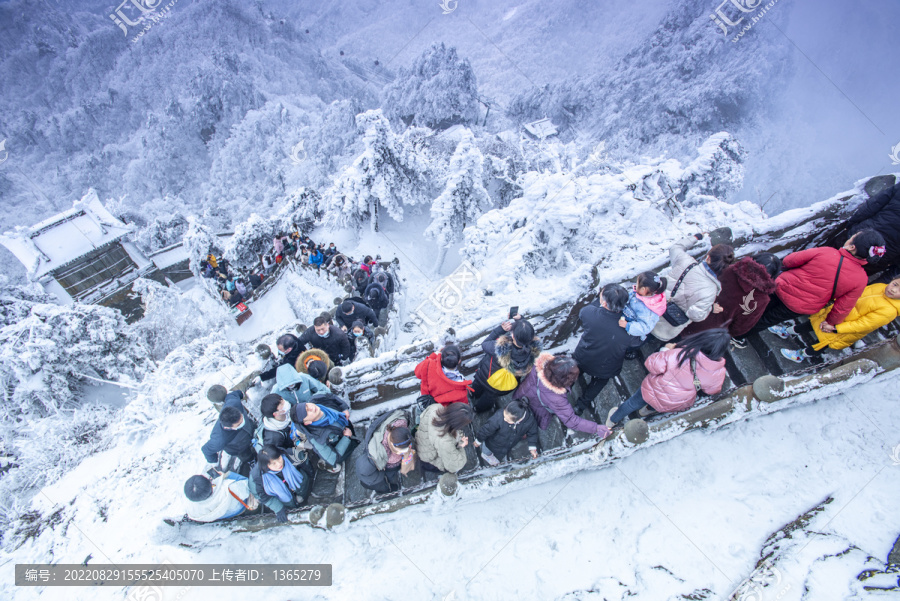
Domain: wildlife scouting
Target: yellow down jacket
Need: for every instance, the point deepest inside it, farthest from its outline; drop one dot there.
(872, 310)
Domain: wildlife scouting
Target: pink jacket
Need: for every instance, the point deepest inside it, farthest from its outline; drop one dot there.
(671, 388)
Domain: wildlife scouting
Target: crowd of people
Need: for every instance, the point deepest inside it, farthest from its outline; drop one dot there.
(233, 286)
(699, 310)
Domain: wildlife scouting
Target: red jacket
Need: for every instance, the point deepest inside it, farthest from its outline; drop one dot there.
(805, 287)
(434, 382)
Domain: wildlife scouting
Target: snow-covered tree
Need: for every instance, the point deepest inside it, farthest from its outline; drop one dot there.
(439, 90)
(198, 241)
(387, 175)
(173, 317)
(251, 239)
(52, 350)
(302, 209)
(463, 199)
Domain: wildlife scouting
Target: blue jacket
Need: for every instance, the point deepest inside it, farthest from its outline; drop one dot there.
(306, 386)
(327, 441)
(237, 443)
(316, 258)
(641, 320)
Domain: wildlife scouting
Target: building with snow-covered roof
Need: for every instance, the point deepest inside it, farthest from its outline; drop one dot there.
(80, 254)
(540, 129)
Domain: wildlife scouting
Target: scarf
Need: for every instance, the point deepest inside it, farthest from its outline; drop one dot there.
(331, 418)
(393, 459)
(275, 486)
(270, 423)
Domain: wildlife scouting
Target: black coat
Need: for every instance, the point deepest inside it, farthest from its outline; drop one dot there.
(500, 437)
(499, 352)
(376, 297)
(361, 312)
(278, 438)
(360, 281)
(337, 345)
(882, 214)
(237, 443)
(290, 358)
(601, 350)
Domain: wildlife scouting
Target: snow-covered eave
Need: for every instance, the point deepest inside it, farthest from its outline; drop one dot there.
(47, 247)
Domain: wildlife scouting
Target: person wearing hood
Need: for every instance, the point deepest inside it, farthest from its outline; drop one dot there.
(224, 497)
(505, 429)
(646, 303)
(376, 297)
(316, 363)
(388, 454)
(325, 421)
(546, 390)
(340, 266)
(277, 483)
(296, 387)
(677, 374)
(288, 350)
(747, 286)
(878, 306)
(361, 281)
(328, 338)
(601, 351)
(441, 379)
(509, 354)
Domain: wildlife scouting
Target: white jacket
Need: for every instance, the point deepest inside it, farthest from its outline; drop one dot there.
(221, 503)
(697, 293)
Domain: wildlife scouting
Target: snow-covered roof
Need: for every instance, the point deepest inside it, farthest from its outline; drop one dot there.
(63, 238)
(542, 128)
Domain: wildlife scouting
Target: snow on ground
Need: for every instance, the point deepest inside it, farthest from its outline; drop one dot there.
(685, 516)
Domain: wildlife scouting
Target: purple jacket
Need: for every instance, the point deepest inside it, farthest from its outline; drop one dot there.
(553, 401)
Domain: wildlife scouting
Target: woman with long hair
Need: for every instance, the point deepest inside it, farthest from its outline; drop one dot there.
(677, 374)
(440, 439)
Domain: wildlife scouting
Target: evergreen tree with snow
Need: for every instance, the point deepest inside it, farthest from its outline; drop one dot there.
(251, 239)
(302, 209)
(439, 90)
(387, 175)
(463, 200)
(199, 241)
(50, 351)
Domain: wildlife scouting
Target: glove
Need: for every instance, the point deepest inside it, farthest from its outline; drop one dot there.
(281, 515)
(256, 381)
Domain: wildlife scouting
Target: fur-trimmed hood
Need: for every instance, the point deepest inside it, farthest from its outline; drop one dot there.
(509, 354)
(751, 275)
(312, 353)
(539, 364)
